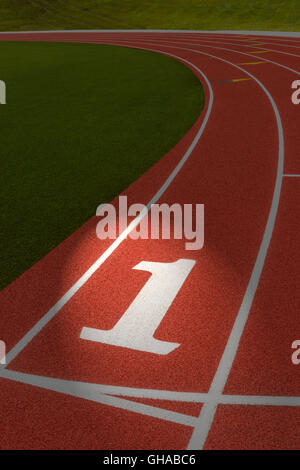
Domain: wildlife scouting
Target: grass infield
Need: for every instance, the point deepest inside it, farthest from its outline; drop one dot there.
(81, 123)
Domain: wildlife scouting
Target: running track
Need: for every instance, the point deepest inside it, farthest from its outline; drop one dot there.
(231, 383)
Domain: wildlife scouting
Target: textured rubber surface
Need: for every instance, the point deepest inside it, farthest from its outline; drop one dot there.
(232, 170)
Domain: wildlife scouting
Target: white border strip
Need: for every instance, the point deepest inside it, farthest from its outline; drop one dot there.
(292, 34)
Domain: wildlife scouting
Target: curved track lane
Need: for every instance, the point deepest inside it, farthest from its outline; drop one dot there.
(231, 383)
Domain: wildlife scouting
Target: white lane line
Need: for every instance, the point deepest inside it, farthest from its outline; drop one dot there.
(243, 39)
(209, 409)
(221, 41)
(292, 176)
(85, 277)
(208, 34)
(99, 392)
(91, 393)
(166, 42)
(260, 400)
(252, 46)
(64, 386)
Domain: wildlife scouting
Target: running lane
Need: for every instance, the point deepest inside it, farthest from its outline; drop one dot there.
(140, 399)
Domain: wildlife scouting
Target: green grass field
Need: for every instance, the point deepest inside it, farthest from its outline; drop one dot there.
(81, 123)
(281, 15)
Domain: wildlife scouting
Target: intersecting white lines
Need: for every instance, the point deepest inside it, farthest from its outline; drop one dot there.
(110, 395)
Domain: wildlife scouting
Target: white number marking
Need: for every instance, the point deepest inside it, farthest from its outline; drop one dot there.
(137, 326)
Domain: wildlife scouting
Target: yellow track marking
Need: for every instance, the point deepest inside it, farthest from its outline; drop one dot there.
(258, 52)
(240, 79)
(251, 63)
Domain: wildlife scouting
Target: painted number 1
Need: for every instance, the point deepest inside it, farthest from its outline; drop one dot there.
(137, 326)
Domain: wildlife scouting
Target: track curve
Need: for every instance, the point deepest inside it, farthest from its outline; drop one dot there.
(223, 376)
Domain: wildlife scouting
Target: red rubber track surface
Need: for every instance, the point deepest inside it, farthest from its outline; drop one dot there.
(232, 170)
